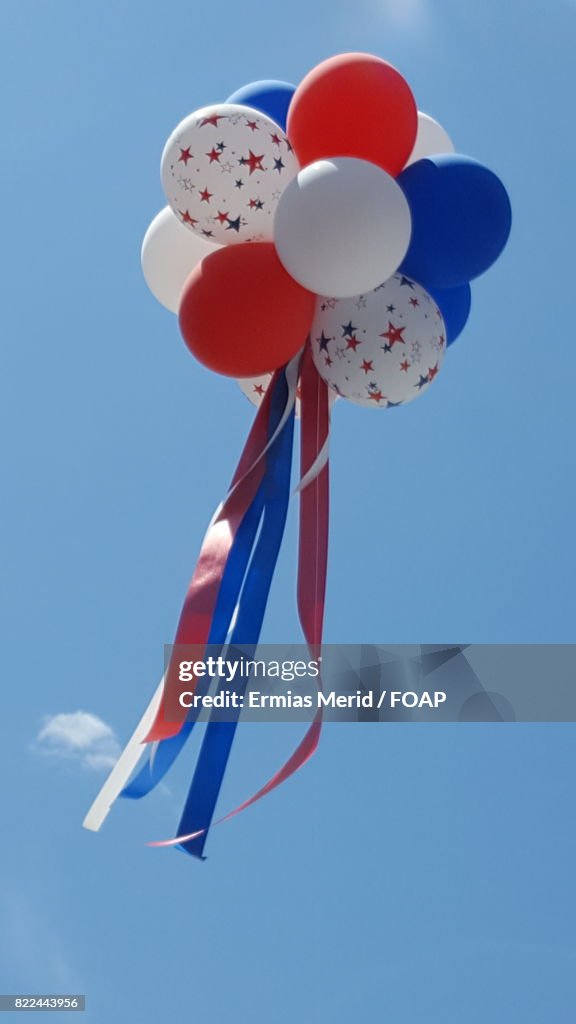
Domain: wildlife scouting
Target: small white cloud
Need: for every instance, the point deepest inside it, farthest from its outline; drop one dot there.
(81, 736)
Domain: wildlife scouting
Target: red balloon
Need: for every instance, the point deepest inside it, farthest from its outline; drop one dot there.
(241, 314)
(354, 105)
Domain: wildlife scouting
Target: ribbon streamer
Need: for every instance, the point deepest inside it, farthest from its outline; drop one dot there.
(199, 605)
(312, 569)
(250, 463)
(166, 751)
(215, 751)
(125, 765)
(259, 488)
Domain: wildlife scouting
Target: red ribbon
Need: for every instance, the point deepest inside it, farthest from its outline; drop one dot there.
(200, 601)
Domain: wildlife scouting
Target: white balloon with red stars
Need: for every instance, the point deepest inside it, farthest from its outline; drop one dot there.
(381, 349)
(224, 169)
(255, 389)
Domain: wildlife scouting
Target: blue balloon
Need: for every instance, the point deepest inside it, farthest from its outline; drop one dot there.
(269, 97)
(454, 304)
(461, 220)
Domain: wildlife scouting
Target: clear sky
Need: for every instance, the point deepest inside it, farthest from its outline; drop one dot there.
(408, 874)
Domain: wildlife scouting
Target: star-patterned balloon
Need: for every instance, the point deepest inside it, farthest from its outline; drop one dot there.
(380, 349)
(224, 169)
(256, 387)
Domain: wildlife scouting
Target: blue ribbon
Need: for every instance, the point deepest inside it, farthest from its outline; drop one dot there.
(215, 751)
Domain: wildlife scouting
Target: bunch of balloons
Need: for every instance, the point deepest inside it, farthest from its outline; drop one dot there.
(334, 212)
(318, 242)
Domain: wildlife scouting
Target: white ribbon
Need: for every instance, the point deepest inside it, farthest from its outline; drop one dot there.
(124, 766)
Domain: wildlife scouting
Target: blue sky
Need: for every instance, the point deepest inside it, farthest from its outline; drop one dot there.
(407, 874)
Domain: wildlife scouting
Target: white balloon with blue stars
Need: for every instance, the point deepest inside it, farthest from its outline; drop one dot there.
(381, 349)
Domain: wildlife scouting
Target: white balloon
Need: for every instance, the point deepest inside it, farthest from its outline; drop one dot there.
(169, 254)
(342, 226)
(256, 387)
(381, 349)
(223, 170)
(431, 138)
